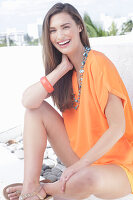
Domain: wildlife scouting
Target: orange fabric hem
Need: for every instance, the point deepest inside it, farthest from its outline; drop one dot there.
(129, 175)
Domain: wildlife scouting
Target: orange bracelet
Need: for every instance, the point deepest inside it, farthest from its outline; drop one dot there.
(46, 84)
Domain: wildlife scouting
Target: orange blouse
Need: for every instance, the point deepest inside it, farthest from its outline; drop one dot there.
(88, 123)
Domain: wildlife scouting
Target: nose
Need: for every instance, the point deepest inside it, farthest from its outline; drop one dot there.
(59, 35)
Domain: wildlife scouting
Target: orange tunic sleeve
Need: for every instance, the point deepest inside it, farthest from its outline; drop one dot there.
(107, 79)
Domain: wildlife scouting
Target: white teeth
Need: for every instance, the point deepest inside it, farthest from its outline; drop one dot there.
(61, 43)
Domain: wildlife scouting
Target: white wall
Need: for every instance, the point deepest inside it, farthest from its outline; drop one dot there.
(22, 66)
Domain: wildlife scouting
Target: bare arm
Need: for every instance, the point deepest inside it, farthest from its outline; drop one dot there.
(34, 95)
(116, 120)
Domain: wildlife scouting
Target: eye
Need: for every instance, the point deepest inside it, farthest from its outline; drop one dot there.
(66, 27)
(52, 31)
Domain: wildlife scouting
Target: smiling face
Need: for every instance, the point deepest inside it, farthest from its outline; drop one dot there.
(64, 33)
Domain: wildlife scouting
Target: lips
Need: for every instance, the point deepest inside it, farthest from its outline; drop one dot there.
(63, 43)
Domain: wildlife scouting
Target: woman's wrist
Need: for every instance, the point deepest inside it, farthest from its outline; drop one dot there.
(46, 84)
(85, 161)
(56, 74)
(49, 80)
(62, 69)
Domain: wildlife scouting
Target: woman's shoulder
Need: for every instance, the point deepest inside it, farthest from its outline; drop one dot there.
(98, 56)
(99, 61)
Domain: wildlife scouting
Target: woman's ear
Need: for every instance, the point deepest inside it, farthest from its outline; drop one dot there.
(80, 28)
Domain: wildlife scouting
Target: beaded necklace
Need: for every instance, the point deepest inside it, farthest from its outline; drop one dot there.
(81, 71)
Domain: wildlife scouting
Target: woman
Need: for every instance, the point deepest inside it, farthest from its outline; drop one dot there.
(94, 135)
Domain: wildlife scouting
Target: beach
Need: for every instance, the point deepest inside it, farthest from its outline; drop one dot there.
(22, 66)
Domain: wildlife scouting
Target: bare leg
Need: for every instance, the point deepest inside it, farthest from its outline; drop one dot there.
(38, 125)
(106, 182)
(37, 128)
(35, 140)
(103, 181)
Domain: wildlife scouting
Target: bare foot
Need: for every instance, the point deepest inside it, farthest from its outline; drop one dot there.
(33, 191)
(14, 192)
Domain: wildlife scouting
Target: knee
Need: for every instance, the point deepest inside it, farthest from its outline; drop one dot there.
(92, 179)
(37, 111)
(85, 182)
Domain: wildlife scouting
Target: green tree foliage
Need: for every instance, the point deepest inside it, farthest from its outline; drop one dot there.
(93, 30)
(30, 41)
(3, 42)
(35, 42)
(113, 29)
(127, 27)
(27, 38)
(11, 42)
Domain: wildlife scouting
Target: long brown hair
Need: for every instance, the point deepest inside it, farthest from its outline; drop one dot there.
(62, 94)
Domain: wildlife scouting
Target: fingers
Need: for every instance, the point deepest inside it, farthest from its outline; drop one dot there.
(64, 178)
(63, 184)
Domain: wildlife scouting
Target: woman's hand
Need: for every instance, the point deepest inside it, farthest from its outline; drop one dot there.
(65, 63)
(70, 171)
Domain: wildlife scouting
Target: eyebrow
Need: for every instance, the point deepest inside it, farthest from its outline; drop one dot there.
(61, 25)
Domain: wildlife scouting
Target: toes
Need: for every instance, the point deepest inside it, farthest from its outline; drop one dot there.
(10, 190)
(14, 194)
(13, 189)
(14, 198)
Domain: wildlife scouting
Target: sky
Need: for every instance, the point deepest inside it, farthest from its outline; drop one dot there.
(18, 13)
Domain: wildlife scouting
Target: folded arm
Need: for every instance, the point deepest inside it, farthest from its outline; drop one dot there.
(116, 120)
